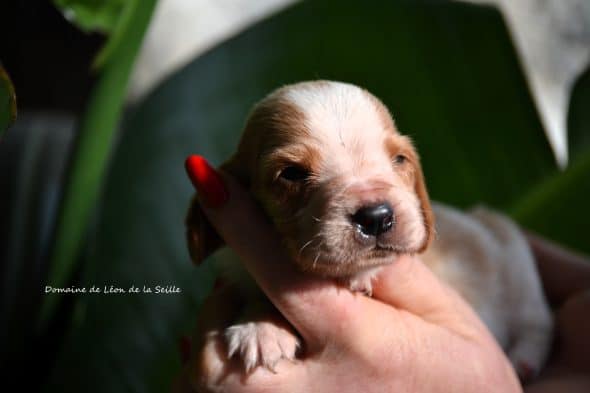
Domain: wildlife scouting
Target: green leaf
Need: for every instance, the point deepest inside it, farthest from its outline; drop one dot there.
(579, 116)
(558, 206)
(7, 102)
(93, 15)
(90, 156)
(450, 75)
(118, 38)
(112, 17)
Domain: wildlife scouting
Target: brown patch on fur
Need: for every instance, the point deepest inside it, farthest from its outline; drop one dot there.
(278, 127)
(272, 124)
(201, 238)
(427, 213)
(395, 145)
(401, 144)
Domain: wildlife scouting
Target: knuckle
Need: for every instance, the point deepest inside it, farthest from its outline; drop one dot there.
(206, 369)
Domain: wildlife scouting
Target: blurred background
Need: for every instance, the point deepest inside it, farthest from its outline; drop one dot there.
(112, 95)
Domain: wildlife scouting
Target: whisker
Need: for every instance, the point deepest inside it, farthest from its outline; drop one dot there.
(319, 245)
(316, 259)
(307, 244)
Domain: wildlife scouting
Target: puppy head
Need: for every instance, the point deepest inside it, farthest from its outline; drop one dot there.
(341, 185)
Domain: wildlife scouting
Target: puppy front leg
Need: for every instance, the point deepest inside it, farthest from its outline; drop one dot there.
(261, 337)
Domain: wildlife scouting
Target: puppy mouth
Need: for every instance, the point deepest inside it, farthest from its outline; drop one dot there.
(329, 268)
(378, 255)
(379, 247)
(380, 251)
(358, 253)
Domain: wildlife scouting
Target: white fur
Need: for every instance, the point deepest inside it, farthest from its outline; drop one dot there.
(261, 343)
(345, 124)
(486, 258)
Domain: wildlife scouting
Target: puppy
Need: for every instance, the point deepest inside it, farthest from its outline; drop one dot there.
(345, 191)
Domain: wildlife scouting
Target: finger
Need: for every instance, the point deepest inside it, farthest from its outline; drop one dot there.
(409, 285)
(562, 271)
(211, 371)
(573, 324)
(218, 311)
(229, 376)
(210, 363)
(310, 304)
(209, 355)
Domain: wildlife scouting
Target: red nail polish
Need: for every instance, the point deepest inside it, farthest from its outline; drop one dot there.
(206, 180)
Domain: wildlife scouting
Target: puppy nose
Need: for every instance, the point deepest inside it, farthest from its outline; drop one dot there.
(374, 220)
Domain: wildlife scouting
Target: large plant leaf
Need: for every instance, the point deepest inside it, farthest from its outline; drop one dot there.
(93, 146)
(447, 71)
(111, 17)
(7, 102)
(558, 206)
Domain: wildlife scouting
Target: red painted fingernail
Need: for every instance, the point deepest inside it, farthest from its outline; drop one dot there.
(206, 180)
(184, 347)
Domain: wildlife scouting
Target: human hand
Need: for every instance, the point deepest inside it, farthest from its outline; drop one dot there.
(415, 334)
(566, 281)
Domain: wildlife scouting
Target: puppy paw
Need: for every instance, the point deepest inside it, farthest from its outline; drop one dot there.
(362, 282)
(261, 344)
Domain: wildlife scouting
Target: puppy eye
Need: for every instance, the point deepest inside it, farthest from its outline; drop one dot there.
(294, 173)
(400, 159)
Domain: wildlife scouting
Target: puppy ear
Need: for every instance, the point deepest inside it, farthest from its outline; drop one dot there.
(201, 237)
(427, 213)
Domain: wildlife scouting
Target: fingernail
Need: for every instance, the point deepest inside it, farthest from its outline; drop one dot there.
(210, 187)
(184, 347)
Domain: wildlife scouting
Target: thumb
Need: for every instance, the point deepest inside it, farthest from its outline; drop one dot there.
(408, 284)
